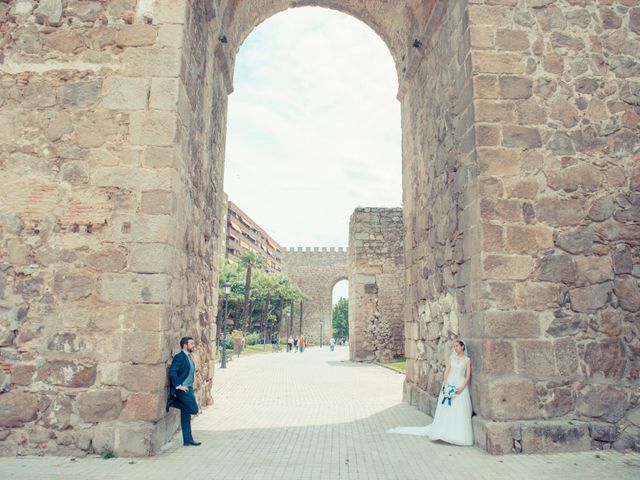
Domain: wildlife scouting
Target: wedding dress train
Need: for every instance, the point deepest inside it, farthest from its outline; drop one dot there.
(452, 421)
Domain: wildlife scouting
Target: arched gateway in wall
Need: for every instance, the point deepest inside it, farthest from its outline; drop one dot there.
(520, 181)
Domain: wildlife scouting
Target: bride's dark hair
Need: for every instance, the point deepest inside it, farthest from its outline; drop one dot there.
(461, 343)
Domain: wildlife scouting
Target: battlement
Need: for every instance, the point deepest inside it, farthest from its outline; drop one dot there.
(314, 249)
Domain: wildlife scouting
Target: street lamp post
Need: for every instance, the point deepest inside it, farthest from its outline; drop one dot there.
(223, 361)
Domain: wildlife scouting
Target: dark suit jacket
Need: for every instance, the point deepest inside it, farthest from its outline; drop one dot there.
(179, 370)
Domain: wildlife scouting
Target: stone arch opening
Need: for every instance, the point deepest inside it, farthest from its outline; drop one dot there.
(114, 136)
(340, 318)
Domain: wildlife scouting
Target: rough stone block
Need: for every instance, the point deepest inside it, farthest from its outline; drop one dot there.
(499, 161)
(133, 178)
(500, 63)
(627, 289)
(515, 87)
(135, 288)
(159, 157)
(555, 437)
(590, 299)
(144, 378)
(559, 212)
(68, 374)
(164, 94)
(535, 359)
(107, 260)
(515, 324)
(148, 407)
(152, 318)
(17, 408)
(529, 239)
(507, 267)
(152, 128)
(538, 296)
(125, 93)
(607, 403)
(136, 35)
(147, 348)
(153, 258)
(151, 62)
(142, 229)
(512, 40)
(509, 398)
(99, 405)
(158, 202)
(605, 357)
(592, 270)
(170, 11)
(521, 137)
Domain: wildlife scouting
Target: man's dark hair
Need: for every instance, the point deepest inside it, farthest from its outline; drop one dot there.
(184, 341)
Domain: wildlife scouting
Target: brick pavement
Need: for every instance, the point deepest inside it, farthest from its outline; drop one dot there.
(317, 416)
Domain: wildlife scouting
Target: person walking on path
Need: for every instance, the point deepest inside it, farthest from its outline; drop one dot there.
(289, 343)
(295, 344)
(182, 374)
(332, 343)
(301, 343)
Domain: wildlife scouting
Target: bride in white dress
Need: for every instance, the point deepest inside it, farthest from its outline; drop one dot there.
(452, 421)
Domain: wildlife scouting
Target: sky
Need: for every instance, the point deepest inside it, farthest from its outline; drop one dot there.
(313, 127)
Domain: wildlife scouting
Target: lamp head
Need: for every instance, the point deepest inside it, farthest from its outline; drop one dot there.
(227, 288)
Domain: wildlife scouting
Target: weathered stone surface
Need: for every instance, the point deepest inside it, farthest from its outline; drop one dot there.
(627, 289)
(559, 212)
(539, 438)
(144, 378)
(558, 268)
(49, 12)
(68, 374)
(125, 93)
(590, 299)
(605, 402)
(516, 324)
(79, 94)
(605, 357)
(593, 270)
(535, 359)
(567, 324)
(577, 241)
(131, 288)
(508, 267)
(17, 408)
(510, 398)
(136, 35)
(99, 405)
(145, 407)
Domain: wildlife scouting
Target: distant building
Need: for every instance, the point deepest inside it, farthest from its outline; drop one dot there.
(243, 234)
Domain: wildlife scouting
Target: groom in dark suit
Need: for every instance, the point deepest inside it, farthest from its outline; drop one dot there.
(182, 373)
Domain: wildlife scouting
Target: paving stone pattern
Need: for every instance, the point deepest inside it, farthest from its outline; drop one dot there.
(317, 416)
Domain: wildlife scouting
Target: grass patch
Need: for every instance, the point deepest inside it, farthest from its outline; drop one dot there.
(399, 364)
(107, 452)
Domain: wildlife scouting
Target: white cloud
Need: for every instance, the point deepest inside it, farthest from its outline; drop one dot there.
(314, 126)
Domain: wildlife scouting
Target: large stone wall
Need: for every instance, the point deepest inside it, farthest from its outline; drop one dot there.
(557, 97)
(376, 284)
(315, 271)
(520, 187)
(107, 219)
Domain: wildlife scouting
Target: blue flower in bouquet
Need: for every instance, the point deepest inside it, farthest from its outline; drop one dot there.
(448, 392)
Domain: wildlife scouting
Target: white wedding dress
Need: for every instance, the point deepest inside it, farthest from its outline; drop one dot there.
(451, 423)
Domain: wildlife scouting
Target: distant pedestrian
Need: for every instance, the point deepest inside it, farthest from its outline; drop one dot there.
(295, 344)
(332, 344)
(301, 343)
(289, 343)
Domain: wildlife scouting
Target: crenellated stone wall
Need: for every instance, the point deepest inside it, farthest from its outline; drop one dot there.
(376, 284)
(520, 208)
(316, 271)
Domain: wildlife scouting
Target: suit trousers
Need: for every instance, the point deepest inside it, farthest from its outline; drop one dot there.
(188, 406)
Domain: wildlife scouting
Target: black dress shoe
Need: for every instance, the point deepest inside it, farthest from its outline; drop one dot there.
(170, 402)
(192, 444)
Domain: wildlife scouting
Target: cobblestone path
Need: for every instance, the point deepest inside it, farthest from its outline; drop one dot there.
(317, 416)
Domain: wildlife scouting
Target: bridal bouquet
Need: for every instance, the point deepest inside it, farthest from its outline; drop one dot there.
(448, 392)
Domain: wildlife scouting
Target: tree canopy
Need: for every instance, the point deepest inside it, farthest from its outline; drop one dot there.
(341, 318)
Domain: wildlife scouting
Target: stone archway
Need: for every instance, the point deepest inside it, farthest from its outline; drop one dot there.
(315, 271)
(520, 179)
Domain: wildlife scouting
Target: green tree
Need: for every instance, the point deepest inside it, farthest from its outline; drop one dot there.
(341, 318)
